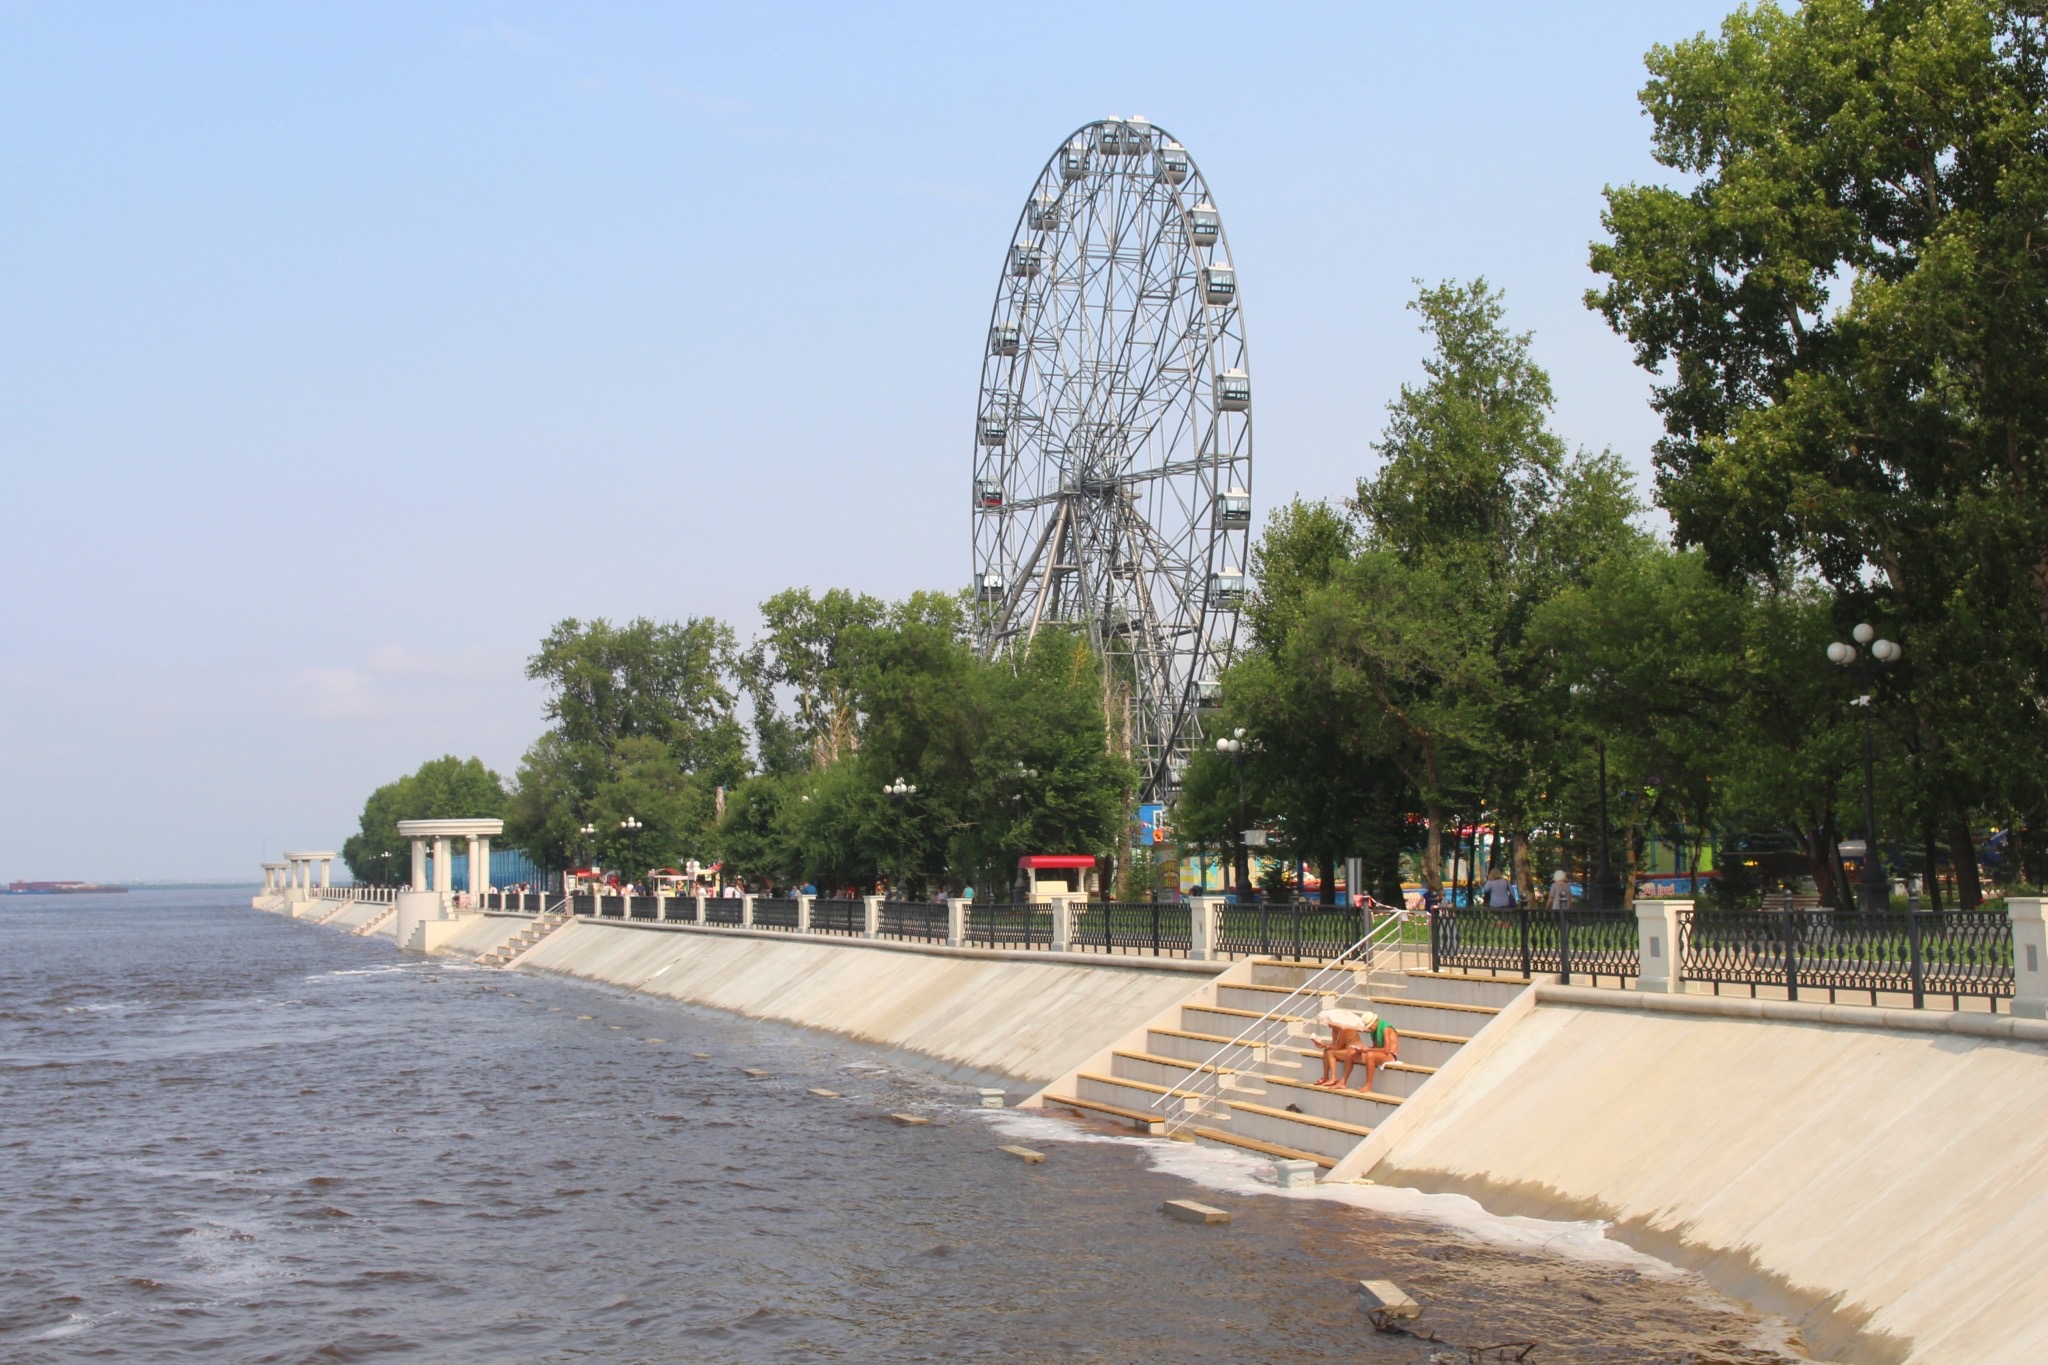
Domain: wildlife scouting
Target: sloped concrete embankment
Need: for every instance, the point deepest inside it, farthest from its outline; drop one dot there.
(1882, 1184)
(968, 1013)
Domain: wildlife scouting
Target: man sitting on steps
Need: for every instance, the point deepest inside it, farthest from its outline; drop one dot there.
(1355, 1036)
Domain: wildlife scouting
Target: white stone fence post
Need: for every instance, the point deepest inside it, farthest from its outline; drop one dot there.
(1658, 940)
(872, 906)
(2029, 916)
(747, 910)
(1202, 915)
(956, 921)
(803, 913)
(1062, 924)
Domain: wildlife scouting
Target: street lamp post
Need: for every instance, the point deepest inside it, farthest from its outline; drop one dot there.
(1606, 881)
(1233, 744)
(900, 792)
(1871, 892)
(632, 827)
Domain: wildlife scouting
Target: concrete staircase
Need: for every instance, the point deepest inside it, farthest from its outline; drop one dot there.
(371, 926)
(508, 952)
(335, 913)
(1259, 1094)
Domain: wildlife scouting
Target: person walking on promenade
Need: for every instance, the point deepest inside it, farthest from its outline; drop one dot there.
(1560, 891)
(1499, 891)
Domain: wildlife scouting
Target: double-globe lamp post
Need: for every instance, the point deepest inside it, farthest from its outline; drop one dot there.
(1873, 892)
(632, 828)
(900, 792)
(1233, 744)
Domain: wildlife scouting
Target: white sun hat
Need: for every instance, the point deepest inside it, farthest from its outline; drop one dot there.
(1351, 1019)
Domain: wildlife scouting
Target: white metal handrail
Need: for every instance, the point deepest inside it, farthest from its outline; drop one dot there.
(1190, 1093)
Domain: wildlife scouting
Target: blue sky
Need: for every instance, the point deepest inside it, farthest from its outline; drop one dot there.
(344, 348)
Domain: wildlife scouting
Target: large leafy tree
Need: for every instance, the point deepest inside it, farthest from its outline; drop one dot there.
(643, 727)
(445, 788)
(1845, 303)
(1477, 514)
(808, 649)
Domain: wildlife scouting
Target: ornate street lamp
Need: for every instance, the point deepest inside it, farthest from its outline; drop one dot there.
(1606, 886)
(899, 792)
(1872, 892)
(1233, 744)
(632, 828)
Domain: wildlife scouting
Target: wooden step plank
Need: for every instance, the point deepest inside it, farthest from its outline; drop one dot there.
(1372, 1095)
(1151, 1123)
(1433, 1004)
(1158, 1060)
(1465, 976)
(1334, 1125)
(1266, 1148)
(1250, 1014)
(1124, 1080)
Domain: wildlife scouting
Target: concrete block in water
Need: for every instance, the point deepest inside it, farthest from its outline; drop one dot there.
(909, 1120)
(826, 1094)
(1385, 1298)
(757, 1074)
(1024, 1154)
(1291, 1173)
(991, 1099)
(1188, 1211)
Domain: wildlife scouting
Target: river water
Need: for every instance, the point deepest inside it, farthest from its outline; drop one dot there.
(230, 1137)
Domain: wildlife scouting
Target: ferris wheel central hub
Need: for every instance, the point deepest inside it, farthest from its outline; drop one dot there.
(1113, 446)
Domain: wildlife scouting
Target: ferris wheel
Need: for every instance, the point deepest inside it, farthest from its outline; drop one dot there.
(1113, 441)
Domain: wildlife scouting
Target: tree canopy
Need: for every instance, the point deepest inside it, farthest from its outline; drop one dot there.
(445, 788)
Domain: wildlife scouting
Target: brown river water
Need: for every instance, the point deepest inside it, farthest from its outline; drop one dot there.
(230, 1137)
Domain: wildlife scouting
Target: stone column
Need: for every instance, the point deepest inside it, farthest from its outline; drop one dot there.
(697, 915)
(956, 921)
(660, 904)
(1202, 915)
(872, 905)
(803, 914)
(1062, 924)
(625, 903)
(1657, 944)
(326, 873)
(747, 911)
(479, 866)
(444, 868)
(419, 864)
(2029, 955)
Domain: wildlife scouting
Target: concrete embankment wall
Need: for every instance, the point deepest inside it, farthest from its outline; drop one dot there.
(965, 1012)
(1886, 1188)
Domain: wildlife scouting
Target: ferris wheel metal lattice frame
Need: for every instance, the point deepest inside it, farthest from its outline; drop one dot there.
(1113, 438)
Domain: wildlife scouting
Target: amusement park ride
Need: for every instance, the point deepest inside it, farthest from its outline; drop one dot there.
(1113, 440)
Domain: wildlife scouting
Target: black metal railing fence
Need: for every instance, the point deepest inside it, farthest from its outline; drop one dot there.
(1956, 953)
(1153, 928)
(838, 917)
(1304, 930)
(999, 924)
(774, 913)
(921, 921)
(1519, 941)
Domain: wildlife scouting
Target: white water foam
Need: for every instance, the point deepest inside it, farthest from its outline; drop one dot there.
(1242, 1173)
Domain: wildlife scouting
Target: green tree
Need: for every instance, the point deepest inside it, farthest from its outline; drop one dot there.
(1477, 515)
(1845, 304)
(445, 788)
(808, 646)
(644, 727)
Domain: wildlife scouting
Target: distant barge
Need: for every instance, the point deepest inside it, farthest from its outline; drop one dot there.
(55, 888)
